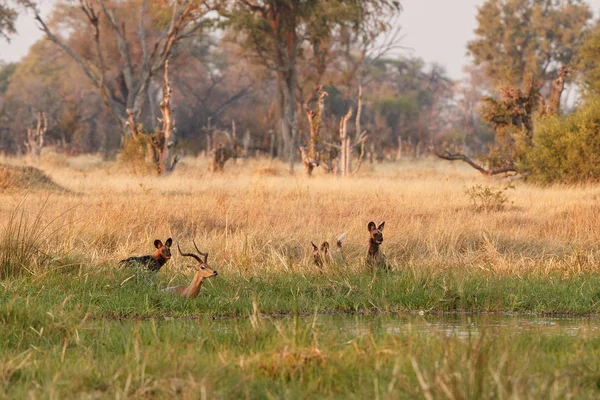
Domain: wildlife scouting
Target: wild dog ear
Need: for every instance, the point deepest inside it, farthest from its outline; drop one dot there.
(380, 227)
(169, 242)
(324, 246)
(158, 244)
(314, 246)
(371, 226)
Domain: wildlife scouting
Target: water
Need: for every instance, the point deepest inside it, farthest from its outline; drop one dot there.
(461, 325)
(451, 325)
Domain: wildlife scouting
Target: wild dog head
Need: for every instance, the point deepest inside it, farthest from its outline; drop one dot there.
(321, 255)
(324, 253)
(375, 233)
(163, 251)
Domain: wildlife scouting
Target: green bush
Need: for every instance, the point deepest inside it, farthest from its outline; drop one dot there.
(565, 149)
(485, 198)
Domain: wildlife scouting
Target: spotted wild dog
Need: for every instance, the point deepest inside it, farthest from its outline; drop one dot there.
(375, 257)
(203, 271)
(156, 260)
(324, 256)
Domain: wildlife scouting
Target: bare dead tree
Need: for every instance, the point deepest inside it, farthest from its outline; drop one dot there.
(309, 163)
(360, 136)
(246, 142)
(187, 19)
(35, 137)
(346, 145)
(167, 133)
(161, 143)
(310, 158)
(234, 141)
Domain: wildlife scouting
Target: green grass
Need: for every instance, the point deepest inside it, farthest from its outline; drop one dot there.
(108, 292)
(312, 357)
(107, 332)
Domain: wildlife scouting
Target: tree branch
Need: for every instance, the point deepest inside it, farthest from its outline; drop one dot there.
(446, 155)
(67, 49)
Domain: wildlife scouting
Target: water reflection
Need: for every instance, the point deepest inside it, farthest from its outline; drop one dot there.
(460, 325)
(451, 325)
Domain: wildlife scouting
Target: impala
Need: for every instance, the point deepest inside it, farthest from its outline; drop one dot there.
(203, 271)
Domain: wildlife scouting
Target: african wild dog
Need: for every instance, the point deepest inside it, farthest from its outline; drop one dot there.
(156, 260)
(324, 256)
(375, 257)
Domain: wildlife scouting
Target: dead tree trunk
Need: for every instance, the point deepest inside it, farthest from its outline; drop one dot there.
(35, 138)
(314, 121)
(161, 144)
(310, 159)
(167, 159)
(558, 86)
(272, 143)
(345, 148)
(346, 145)
(234, 141)
(246, 143)
(360, 136)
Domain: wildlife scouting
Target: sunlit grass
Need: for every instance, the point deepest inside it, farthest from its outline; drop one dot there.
(62, 308)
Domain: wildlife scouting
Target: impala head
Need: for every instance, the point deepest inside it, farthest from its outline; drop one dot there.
(201, 266)
(375, 232)
(163, 250)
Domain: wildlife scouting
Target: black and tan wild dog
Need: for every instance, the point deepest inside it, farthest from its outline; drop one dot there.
(153, 261)
(375, 257)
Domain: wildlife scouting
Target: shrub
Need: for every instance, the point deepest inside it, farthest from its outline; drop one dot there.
(135, 155)
(565, 149)
(485, 198)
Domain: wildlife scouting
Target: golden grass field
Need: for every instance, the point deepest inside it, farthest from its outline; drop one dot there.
(75, 324)
(255, 218)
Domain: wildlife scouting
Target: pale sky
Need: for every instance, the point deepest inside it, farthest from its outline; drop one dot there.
(435, 30)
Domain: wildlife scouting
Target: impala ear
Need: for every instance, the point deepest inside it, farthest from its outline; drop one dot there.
(380, 227)
(371, 226)
(158, 244)
(169, 242)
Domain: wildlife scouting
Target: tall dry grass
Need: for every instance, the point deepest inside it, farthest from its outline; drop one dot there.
(255, 218)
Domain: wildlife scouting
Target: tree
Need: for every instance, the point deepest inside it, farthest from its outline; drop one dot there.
(141, 47)
(512, 117)
(517, 37)
(47, 80)
(589, 61)
(275, 32)
(162, 142)
(411, 97)
(525, 47)
(8, 16)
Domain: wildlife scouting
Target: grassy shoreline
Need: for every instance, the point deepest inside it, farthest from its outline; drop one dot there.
(114, 293)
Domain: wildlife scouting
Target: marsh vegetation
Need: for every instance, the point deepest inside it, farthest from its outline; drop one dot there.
(75, 322)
